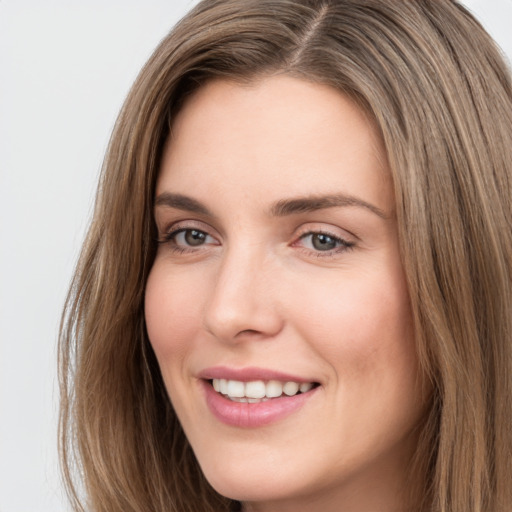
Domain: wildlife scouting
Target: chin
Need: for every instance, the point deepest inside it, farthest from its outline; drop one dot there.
(242, 484)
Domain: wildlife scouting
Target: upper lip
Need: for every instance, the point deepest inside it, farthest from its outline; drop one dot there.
(250, 373)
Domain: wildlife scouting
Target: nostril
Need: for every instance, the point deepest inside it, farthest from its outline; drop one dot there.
(249, 332)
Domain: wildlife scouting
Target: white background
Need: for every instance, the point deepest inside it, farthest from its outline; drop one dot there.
(65, 68)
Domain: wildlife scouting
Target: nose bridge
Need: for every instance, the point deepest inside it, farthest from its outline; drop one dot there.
(243, 296)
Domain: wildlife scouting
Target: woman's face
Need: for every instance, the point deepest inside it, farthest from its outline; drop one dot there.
(277, 305)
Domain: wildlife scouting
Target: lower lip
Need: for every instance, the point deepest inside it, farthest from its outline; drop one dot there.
(243, 414)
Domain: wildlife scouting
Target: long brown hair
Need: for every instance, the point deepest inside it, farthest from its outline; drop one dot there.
(441, 96)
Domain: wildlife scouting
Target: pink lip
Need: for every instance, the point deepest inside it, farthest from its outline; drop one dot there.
(248, 374)
(251, 415)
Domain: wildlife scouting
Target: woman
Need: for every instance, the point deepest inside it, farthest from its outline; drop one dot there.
(295, 292)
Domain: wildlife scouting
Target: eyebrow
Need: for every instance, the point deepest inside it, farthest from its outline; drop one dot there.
(281, 208)
(181, 202)
(312, 203)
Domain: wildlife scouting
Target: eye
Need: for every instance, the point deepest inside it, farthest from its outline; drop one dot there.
(186, 239)
(191, 237)
(324, 242)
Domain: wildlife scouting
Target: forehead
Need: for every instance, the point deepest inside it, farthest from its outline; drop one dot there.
(278, 136)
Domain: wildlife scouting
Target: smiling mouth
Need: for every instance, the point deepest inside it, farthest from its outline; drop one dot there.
(258, 390)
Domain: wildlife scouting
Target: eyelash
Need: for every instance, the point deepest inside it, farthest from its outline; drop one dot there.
(170, 239)
(342, 245)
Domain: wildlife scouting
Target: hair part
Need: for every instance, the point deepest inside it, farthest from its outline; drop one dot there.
(440, 94)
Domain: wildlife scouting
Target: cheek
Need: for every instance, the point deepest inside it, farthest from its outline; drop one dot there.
(363, 328)
(172, 312)
(358, 312)
(365, 334)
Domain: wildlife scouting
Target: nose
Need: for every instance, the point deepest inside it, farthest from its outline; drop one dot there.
(244, 299)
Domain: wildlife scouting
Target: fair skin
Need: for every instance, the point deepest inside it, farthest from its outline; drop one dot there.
(279, 261)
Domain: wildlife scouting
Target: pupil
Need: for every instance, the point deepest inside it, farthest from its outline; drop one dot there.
(323, 242)
(194, 237)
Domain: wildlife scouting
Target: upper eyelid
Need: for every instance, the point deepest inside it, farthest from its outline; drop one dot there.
(325, 233)
(177, 225)
(310, 227)
(175, 232)
(343, 240)
(168, 238)
(327, 229)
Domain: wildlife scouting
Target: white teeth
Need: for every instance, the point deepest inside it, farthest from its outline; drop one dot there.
(291, 388)
(247, 400)
(256, 400)
(273, 389)
(258, 390)
(305, 387)
(255, 389)
(235, 389)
